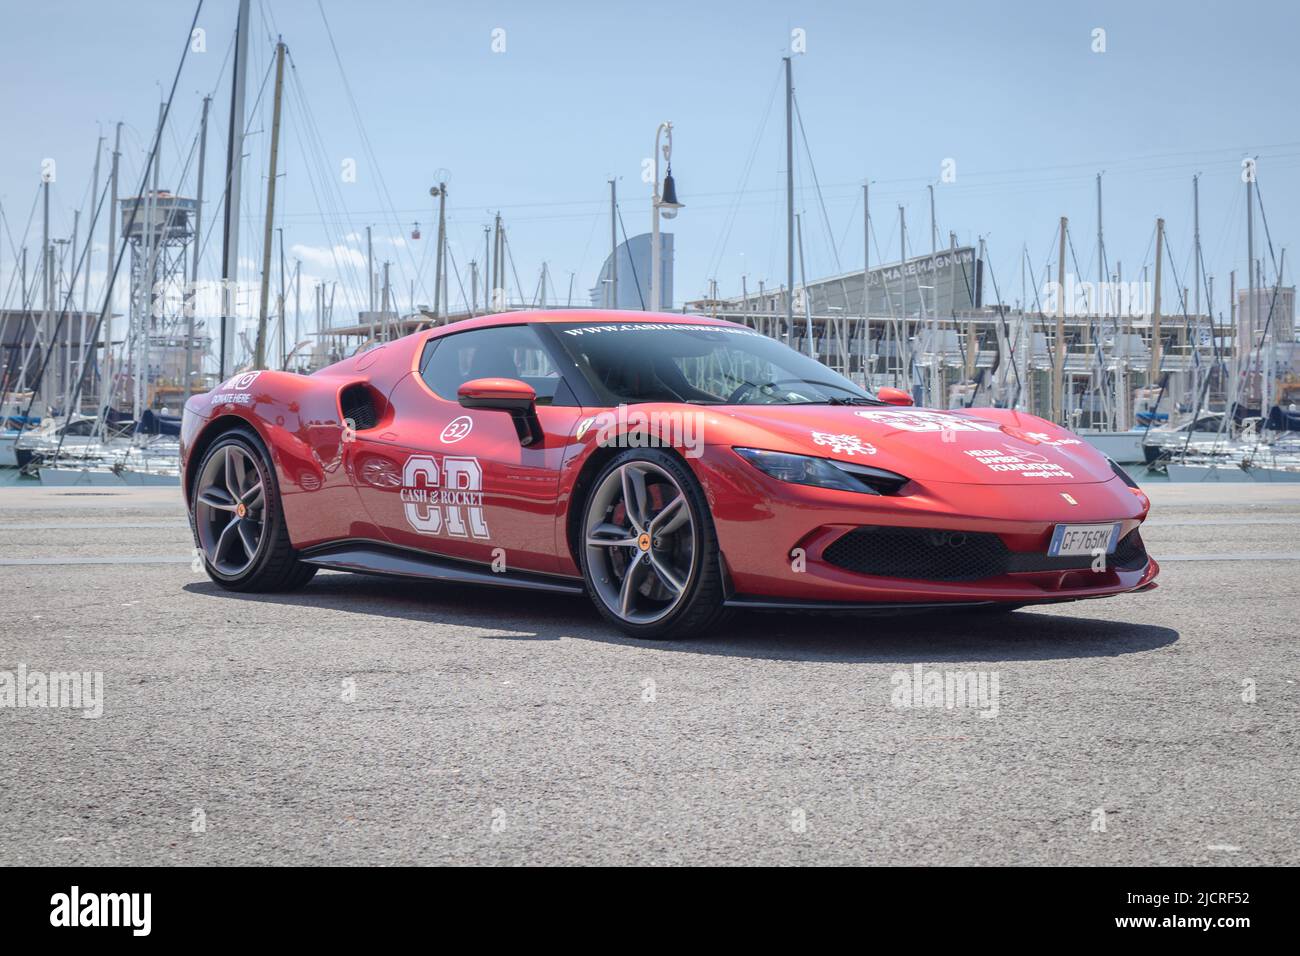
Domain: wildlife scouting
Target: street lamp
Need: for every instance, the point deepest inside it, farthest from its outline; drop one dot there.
(664, 204)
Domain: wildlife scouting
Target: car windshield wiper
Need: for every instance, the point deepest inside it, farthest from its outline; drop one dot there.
(854, 400)
(835, 400)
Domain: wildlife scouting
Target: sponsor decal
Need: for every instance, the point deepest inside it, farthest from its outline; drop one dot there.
(844, 444)
(235, 390)
(446, 498)
(913, 420)
(658, 326)
(1027, 464)
(456, 429)
(1043, 438)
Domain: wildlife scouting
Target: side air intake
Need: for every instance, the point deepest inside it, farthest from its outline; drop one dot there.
(357, 402)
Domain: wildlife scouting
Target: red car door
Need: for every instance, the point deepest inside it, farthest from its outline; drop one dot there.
(458, 482)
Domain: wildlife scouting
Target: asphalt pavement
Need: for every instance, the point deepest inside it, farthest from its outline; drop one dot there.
(371, 721)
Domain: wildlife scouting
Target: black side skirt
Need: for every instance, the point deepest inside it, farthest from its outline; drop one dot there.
(371, 557)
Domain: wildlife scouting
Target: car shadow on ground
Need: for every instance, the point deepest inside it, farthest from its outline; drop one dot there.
(505, 614)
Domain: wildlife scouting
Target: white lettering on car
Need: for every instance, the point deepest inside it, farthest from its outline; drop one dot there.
(447, 499)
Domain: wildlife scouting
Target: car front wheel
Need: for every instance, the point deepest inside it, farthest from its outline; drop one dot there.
(238, 522)
(649, 550)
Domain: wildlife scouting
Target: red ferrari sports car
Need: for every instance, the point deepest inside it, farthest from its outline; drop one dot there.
(671, 467)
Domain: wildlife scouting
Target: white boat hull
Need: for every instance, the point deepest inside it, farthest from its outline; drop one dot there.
(1124, 447)
(1230, 473)
(63, 477)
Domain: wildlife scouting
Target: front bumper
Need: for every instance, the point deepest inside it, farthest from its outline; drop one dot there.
(774, 538)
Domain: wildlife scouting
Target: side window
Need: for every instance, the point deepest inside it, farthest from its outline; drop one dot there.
(507, 351)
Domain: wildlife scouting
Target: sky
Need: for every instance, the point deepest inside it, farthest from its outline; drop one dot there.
(530, 108)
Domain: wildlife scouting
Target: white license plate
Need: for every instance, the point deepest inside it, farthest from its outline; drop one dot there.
(1083, 539)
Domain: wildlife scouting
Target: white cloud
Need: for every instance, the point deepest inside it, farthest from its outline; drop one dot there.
(328, 258)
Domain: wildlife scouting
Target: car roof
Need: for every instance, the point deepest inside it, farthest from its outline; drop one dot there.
(585, 316)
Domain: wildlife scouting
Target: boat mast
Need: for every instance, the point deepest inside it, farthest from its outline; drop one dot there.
(46, 294)
(106, 366)
(789, 201)
(1157, 349)
(1058, 363)
(866, 275)
(259, 355)
(82, 344)
(234, 167)
(440, 305)
(903, 340)
(613, 243)
(152, 245)
(1251, 319)
(194, 265)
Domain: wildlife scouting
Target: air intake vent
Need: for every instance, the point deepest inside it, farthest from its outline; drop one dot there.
(932, 554)
(357, 403)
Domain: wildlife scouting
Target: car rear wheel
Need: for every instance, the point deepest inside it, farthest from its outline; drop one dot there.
(238, 522)
(649, 550)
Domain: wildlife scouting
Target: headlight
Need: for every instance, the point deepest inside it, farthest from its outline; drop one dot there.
(822, 472)
(1124, 476)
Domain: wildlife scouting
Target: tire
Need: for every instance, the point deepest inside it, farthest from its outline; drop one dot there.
(243, 553)
(669, 550)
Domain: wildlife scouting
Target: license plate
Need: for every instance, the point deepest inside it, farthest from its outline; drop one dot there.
(1071, 540)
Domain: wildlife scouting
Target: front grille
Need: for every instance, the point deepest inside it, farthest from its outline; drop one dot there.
(927, 554)
(934, 554)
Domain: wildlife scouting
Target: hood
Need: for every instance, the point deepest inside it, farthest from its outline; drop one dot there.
(985, 446)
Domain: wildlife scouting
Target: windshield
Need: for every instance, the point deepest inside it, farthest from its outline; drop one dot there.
(701, 365)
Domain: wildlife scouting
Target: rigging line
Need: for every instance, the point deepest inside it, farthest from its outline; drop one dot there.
(1267, 400)
(1006, 333)
(510, 255)
(456, 270)
(319, 176)
(582, 260)
(312, 176)
(330, 204)
(365, 137)
(1038, 305)
(830, 234)
(394, 236)
(31, 215)
(729, 218)
(852, 218)
(618, 209)
(1093, 329)
(74, 399)
(202, 241)
(1268, 236)
(1187, 320)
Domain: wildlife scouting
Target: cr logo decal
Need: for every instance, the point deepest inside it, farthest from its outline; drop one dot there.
(456, 430)
(453, 505)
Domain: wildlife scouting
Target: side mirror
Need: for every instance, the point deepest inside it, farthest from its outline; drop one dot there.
(506, 395)
(890, 395)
